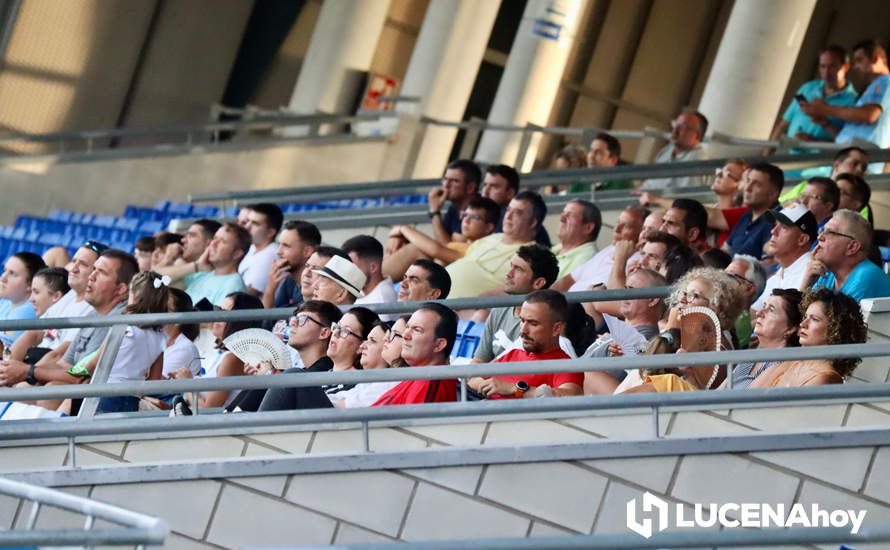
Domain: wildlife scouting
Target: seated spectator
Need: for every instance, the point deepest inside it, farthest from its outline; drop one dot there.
(424, 280)
(604, 152)
(56, 256)
(501, 184)
(791, 239)
(687, 132)
(831, 87)
(163, 241)
(840, 260)
(579, 227)
(347, 336)
(459, 184)
(244, 216)
(821, 196)
(486, 262)
(716, 258)
(750, 275)
(32, 345)
(702, 287)
(427, 340)
(392, 347)
(371, 357)
(775, 326)
(47, 287)
(407, 243)
(15, 289)
(596, 270)
(687, 220)
(678, 262)
(829, 318)
(143, 251)
(339, 282)
(542, 318)
(107, 290)
(852, 160)
(855, 195)
(215, 273)
(297, 242)
(867, 120)
(224, 363)
(752, 231)
(532, 268)
(263, 222)
(141, 353)
(178, 259)
(316, 261)
(181, 351)
(657, 248)
(570, 157)
(366, 253)
(643, 315)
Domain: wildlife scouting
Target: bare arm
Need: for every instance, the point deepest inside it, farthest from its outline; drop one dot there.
(865, 114)
(564, 284)
(599, 383)
(24, 342)
(436, 199)
(429, 246)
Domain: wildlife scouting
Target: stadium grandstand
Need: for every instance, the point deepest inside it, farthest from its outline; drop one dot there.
(467, 274)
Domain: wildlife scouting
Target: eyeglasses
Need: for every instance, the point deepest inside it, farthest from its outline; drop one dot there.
(392, 335)
(829, 232)
(301, 318)
(471, 217)
(690, 297)
(343, 332)
(740, 279)
(803, 199)
(95, 246)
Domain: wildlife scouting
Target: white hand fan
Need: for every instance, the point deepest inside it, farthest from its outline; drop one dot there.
(255, 346)
(699, 329)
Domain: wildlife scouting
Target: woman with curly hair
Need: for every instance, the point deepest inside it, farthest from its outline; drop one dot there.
(828, 318)
(701, 287)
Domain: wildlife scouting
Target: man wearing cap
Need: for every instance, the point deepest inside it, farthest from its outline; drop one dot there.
(840, 260)
(339, 281)
(790, 241)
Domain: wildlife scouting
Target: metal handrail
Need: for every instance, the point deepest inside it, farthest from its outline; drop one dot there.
(452, 372)
(138, 529)
(534, 179)
(151, 319)
(670, 539)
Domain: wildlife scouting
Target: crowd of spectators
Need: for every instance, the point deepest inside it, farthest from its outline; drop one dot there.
(773, 270)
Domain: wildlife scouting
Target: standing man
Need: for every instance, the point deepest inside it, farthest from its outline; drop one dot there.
(687, 132)
(867, 120)
(831, 87)
(263, 222)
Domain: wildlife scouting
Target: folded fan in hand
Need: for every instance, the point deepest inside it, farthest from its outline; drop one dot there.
(255, 346)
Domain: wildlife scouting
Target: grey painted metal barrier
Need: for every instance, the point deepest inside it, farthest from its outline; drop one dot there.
(149, 319)
(137, 529)
(538, 178)
(728, 538)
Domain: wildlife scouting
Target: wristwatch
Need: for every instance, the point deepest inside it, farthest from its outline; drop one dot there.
(433, 214)
(521, 388)
(30, 379)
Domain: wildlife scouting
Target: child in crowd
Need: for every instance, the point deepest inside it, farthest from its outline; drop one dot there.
(47, 288)
(15, 289)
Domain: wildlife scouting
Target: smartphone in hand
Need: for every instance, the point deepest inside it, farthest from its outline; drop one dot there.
(800, 98)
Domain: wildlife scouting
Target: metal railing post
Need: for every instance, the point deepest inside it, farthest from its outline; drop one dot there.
(103, 369)
(525, 143)
(416, 145)
(471, 137)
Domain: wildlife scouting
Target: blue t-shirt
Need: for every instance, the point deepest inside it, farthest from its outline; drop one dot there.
(215, 288)
(748, 236)
(800, 122)
(10, 313)
(865, 281)
(879, 132)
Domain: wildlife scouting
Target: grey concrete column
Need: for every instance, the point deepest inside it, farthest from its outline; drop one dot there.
(753, 65)
(442, 70)
(531, 77)
(340, 52)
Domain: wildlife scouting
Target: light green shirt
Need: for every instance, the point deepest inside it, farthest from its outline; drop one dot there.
(573, 259)
(483, 268)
